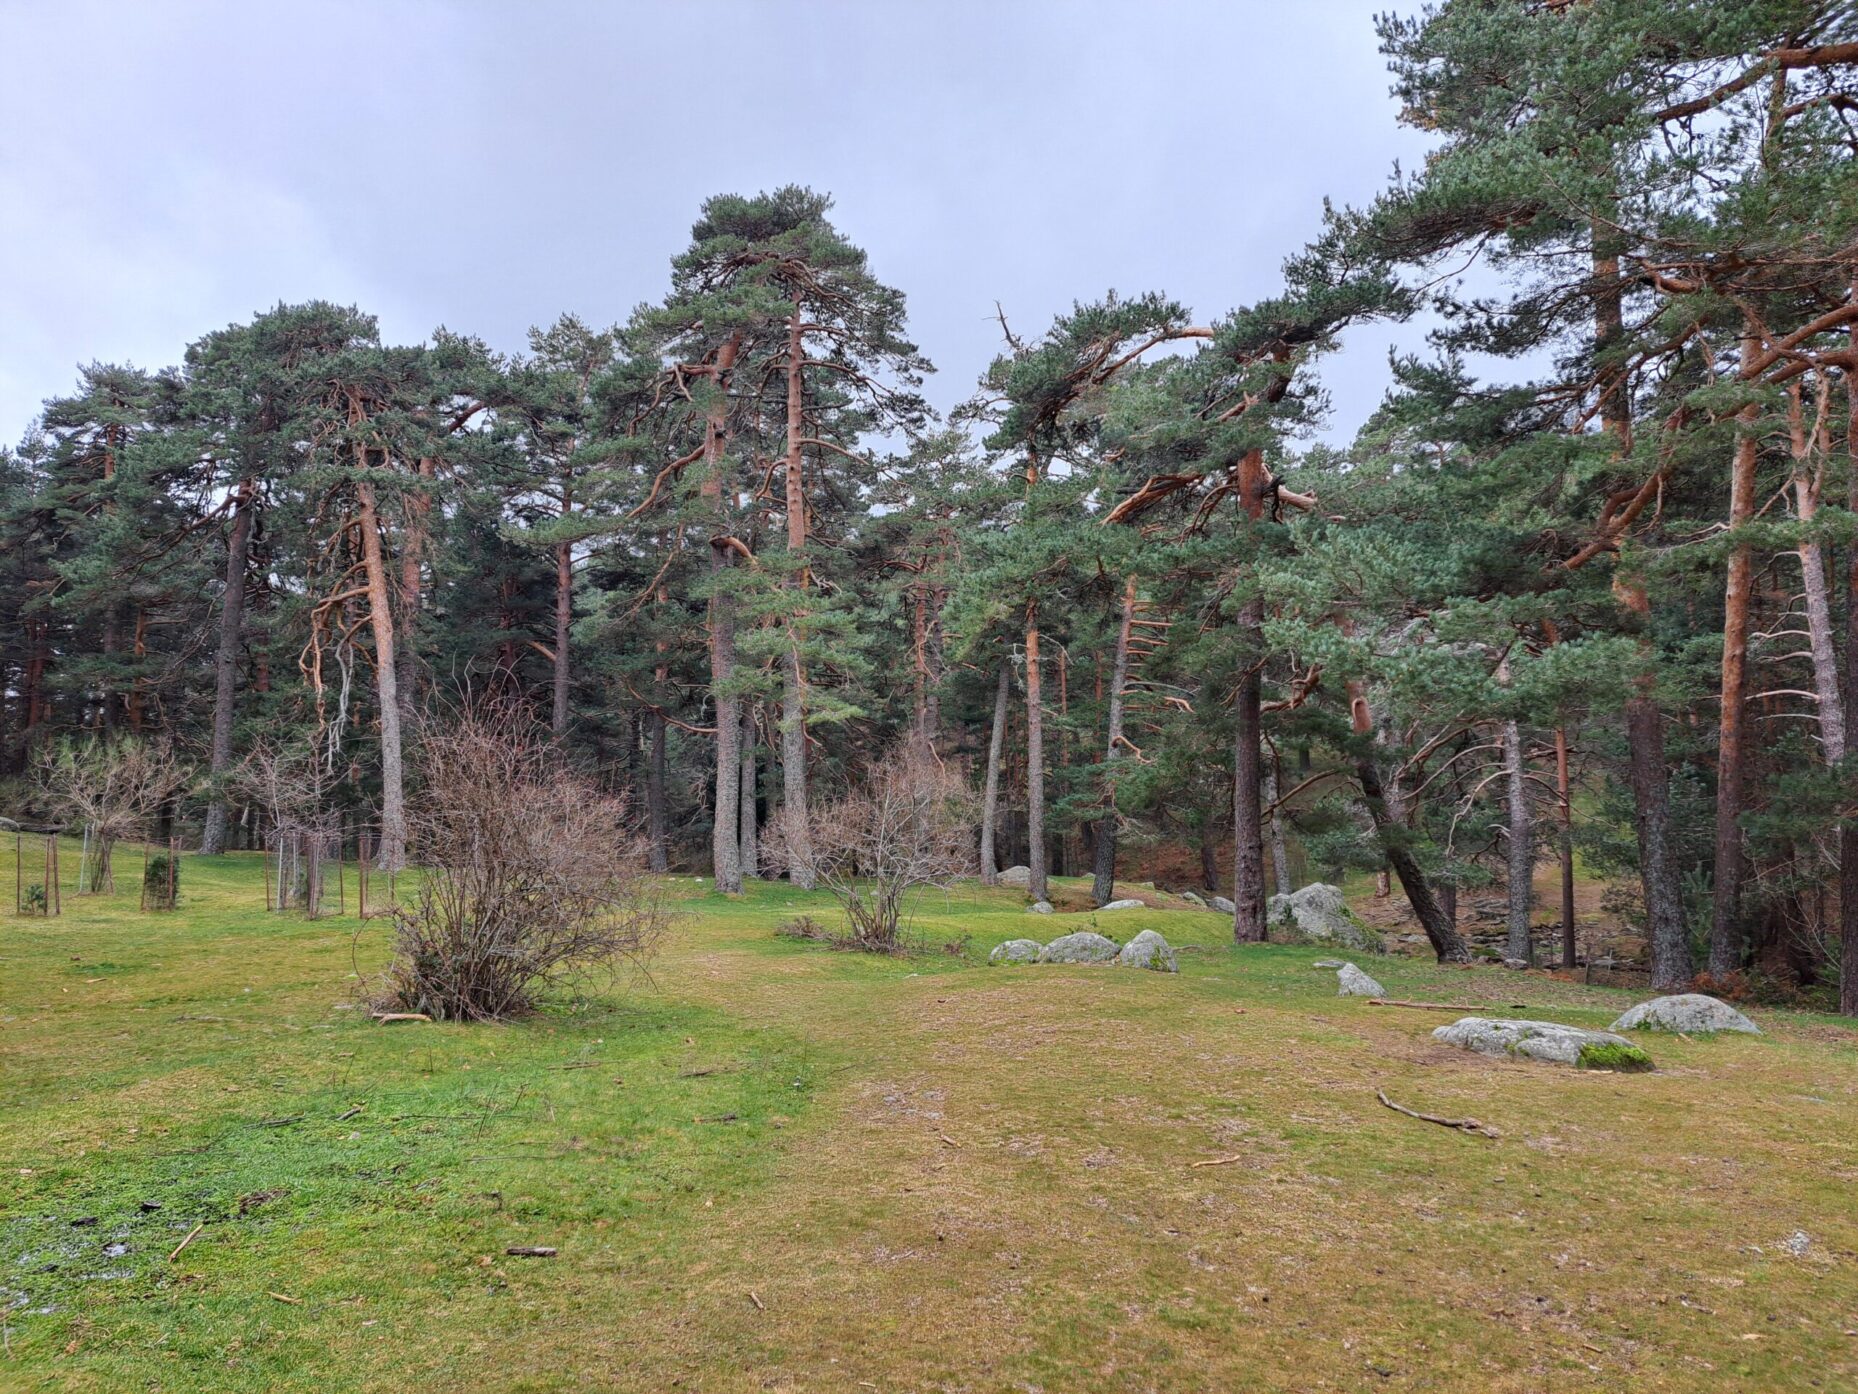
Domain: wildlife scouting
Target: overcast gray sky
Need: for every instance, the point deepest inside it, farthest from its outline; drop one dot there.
(167, 168)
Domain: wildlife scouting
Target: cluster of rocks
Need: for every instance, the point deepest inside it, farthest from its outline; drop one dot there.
(1147, 950)
(1689, 1013)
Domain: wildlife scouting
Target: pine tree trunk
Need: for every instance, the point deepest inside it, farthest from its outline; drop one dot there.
(412, 559)
(1564, 806)
(658, 853)
(1651, 790)
(1248, 923)
(1103, 887)
(564, 616)
(381, 619)
(793, 696)
(990, 797)
(1280, 850)
(1209, 865)
(751, 836)
(1664, 911)
(1520, 947)
(725, 850)
(1848, 829)
(1726, 928)
(226, 667)
(1036, 858)
(1820, 640)
(1442, 932)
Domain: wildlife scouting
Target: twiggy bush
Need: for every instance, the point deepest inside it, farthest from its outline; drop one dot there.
(909, 823)
(532, 875)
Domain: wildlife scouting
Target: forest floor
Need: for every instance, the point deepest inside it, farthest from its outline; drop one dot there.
(772, 1166)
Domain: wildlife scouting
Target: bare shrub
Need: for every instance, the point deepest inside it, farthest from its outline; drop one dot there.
(532, 874)
(907, 824)
(113, 788)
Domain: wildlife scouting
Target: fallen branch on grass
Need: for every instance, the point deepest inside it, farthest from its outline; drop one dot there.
(1463, 1125)
(1454, 1006)
(530, 1251)
(385, 1017)
(185, 1242)
(1219, 1161)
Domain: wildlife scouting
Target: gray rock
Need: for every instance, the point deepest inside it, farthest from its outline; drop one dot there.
(1318, 914)
(1690, 1012)
(1124, 905)
(1194, 898)
(1544, 1040)
(1355, 983)
(1016, 951)
(1082, 947)
(1798, 1243)
(1039, 907)
(1224, 904)
(1020, 876)
(1148, 950)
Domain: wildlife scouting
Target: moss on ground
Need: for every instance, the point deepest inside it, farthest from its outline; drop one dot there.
(1604, 1055)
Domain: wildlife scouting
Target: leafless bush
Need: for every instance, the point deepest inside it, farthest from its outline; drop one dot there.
(909, 823)
(113, 788)
(532, 874)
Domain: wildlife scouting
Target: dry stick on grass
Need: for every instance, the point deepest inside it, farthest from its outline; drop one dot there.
(281, 1297)
(752, 1297)
(185, 1242)
(1219, 1161)
(530, 1251)
(1454, 1006)
(1463, 1125)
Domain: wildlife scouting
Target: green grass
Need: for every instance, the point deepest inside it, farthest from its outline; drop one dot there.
(771, 1165)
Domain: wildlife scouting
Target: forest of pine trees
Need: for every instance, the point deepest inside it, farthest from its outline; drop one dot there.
(1583, 591)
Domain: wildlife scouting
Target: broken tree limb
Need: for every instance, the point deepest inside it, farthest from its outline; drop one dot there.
(530, 1251)
(1219, 1161)
(385, 1017)
(1454, 1006)
(185, 1242)
(1463, 1125)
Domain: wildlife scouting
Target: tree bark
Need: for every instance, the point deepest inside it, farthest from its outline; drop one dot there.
(1848, 827)
(1280, 849)
(564, 616)
(1442, 932)
(1248, 922)
(1036, 859)
(1564, 808)
(413, 556)
(725, 850)
(1726, 928)
(793, 694)
(751, 837)
(1103, 886)
(1670, 937)
(658, 853)
(381, 619)
(990, 798)
(1520, 946)
(226, 667)
(1820, 640)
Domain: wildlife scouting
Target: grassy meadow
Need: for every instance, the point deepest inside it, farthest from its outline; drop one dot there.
(768, 1165)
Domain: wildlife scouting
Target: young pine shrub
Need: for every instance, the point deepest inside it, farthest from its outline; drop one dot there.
(532, 875)
(907, 824)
